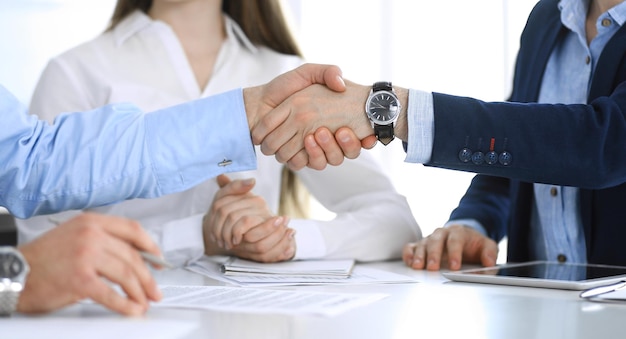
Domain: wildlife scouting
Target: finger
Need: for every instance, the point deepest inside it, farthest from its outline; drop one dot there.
(298, 161)
(279, 137)
(212, 221)
(235, 187)
(331, 76)
(369, 142)
(434, 248)
(238, 223)
(317, 158)
(290, 148)
(127, 230)
(349, 143)
(454, 246)
(407, 253)
(266, 228)
(126, 261)
(266, 125)
(271, 247)
(284, 250)
(231, 192)
(303, 77)
(222, 211)
(230, 210)
(100, 292)
(222, 180)
(419, 255)
(111, 258)
(489, 253)
(283, 86)
(328, 143)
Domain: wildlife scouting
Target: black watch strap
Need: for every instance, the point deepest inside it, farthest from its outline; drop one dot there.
(382, 86)
(384, 133)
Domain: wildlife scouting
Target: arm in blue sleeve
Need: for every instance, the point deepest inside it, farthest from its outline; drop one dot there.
(119, 152)
(488, 202)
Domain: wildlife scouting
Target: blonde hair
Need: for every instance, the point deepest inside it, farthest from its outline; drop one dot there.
(264, 23)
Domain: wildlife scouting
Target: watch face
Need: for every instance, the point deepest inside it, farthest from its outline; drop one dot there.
(383, 107)
(10, 265)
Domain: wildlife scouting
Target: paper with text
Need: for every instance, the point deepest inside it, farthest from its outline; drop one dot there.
(252, 300)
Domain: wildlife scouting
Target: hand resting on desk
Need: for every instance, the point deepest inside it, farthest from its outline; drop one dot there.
(457, 243)
(67, 264)
(240, 223)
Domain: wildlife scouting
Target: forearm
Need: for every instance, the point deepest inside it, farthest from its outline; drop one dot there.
(119, 153)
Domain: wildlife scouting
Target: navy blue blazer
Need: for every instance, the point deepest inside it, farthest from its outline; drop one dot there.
(572, 145)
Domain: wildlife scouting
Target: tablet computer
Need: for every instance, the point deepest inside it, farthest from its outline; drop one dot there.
(542, 274)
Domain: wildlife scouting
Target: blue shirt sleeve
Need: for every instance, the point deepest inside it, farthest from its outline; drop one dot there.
(117, 152)
(421, 127)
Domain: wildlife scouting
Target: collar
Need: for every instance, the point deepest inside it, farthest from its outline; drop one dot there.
(138, 21)
(574, 12)
(132, 24)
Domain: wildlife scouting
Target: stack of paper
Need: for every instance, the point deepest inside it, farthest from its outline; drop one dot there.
(308, 268)
(215, 267)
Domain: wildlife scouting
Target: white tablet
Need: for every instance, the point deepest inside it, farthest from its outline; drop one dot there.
(542, 274)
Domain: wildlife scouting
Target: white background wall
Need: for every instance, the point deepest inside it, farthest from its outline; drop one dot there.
(462, 47)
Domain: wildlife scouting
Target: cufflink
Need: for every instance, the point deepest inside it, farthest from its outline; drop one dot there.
(224, 163)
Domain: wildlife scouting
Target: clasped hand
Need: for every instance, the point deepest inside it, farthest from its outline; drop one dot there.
(240, 223)
(309, 117)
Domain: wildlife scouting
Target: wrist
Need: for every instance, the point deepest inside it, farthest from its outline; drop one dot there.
(12, 279)
(401, 129)
(252, 99)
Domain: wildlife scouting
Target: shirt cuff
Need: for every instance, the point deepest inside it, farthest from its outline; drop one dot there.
(192, 142)
(182, 240)
(310, 242)
(421, 121)
(471, 223)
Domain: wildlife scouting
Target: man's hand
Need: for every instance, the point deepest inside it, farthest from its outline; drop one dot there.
(284, 129)
(67, 264)
(240, 223)
(260, 100)
(323, 148)
(458, 243)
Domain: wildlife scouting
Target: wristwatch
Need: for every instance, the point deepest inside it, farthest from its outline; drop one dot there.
(13, 272)
(383, 108)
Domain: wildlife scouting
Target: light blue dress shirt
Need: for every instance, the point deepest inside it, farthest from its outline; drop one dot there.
(117, 152)
(556, 225)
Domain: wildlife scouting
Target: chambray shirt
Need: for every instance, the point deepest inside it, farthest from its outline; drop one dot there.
(117, 152)
(556, 225)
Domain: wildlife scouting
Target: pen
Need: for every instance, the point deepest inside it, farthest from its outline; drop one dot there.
(149, 257)
(596, 291)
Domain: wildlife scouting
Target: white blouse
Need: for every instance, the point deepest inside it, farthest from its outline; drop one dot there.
(142, 61)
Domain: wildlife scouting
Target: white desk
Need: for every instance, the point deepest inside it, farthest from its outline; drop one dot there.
(435, 308)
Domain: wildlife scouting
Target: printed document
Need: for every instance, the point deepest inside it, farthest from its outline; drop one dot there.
(240, 299)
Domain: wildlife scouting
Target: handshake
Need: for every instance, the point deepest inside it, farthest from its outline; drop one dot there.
(311, 117)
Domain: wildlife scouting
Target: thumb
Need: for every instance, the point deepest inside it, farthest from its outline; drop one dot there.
(282, 87)
(286, 84)
(236, 187)
(222, 180)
